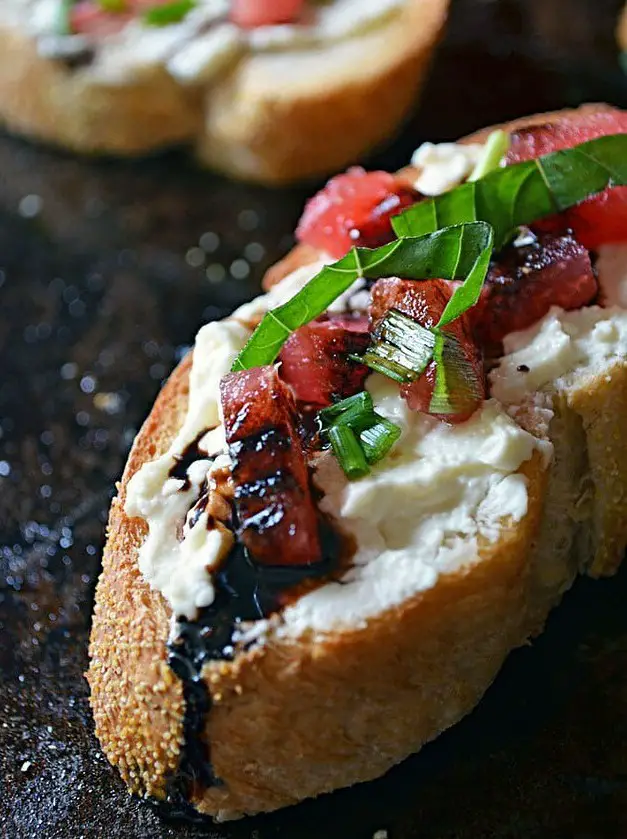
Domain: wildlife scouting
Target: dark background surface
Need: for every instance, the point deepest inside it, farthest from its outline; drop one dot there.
(106, 271)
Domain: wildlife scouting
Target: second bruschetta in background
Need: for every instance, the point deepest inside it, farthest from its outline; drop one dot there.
(367, 486)
(270, 91)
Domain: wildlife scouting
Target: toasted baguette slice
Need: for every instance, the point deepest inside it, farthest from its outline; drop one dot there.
(297, 717)
(273, 117)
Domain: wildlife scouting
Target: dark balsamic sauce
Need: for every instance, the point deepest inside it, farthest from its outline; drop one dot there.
(79, 59)
(244, 592)
(72, 52)
(183, 461)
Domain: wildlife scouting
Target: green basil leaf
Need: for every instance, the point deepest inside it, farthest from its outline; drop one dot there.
(114, 6)
(169, 13)
(524, 192)
(466, 295)
(455, 253)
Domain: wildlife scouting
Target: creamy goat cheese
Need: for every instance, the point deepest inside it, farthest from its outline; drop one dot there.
(181, 568)
(199, 47)
(327, 22)
(443, 166)
(558, 346)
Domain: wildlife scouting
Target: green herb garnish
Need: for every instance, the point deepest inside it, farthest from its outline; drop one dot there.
(455, 380)
(377, 439)
(114, 6)
(524, 192)
(401, 348)
(352, 407)
(173, 12)
(495, 148)
(454, 253)
(371, 433)
(348, 452)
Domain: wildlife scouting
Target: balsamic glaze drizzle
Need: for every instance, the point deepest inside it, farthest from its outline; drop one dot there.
(190, 454)
(244, 592)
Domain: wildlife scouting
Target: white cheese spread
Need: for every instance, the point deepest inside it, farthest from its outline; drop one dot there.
(443, 166)
(181, 568)
(557, 348)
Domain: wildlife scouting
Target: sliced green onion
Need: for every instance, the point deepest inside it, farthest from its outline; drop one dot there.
(455, 253)
(524, 192)
(348, 451)
(357, 404)
(373, 434)
(172, 12)
(377, 439)
(494, 150)
(455, 380)
(401, 349)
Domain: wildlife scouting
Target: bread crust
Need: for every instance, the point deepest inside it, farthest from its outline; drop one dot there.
(296, 718)
(256, 122)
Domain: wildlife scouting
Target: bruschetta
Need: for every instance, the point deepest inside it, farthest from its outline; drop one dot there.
(366, 487)
(271, 91)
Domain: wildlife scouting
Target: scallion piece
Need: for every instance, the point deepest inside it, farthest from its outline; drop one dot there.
(374, 434)
(354, 405)
(377, 439)
(495, 148)
(401, 348)
(455, 380)
(169, 13)
(348, 451)
(524, 192)
(455, 253)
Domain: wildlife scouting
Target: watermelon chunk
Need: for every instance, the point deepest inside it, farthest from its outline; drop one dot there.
(251, 13)
(353, 209)
(316, 364)
(276, 511)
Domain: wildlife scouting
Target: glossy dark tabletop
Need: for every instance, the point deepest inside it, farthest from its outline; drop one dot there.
(106, 271)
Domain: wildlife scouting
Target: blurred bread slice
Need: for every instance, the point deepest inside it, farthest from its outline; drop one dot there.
(273, 118)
